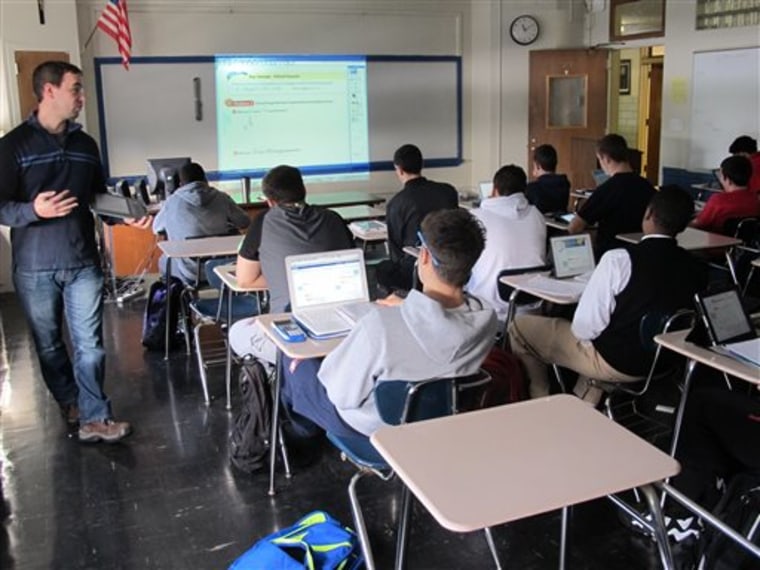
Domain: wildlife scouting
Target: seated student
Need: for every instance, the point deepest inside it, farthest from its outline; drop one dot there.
(549, 192)
(515, 236)
(747, 146)
(196, 209)
(603, 340)
(617, 205)
(736, 201)
(439, 332)
(289, 227)
(405, 211)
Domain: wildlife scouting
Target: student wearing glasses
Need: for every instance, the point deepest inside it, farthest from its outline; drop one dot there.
(439, 332)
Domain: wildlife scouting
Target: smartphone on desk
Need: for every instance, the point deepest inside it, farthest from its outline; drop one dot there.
(289, 330)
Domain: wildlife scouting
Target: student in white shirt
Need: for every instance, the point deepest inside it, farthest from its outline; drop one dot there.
(515, 235)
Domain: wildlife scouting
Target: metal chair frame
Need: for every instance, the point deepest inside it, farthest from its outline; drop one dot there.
(393, 413)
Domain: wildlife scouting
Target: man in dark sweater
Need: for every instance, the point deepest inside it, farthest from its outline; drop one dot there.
(549, 192)
(617, 205)
(603, 340)
(405, 212)
(49, 174)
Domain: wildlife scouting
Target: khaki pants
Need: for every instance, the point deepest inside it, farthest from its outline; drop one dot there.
(539, 341)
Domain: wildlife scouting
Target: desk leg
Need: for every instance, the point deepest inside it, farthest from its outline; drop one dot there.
(275, 421)
(690, 365)
(563, 539)
(660, 532)
(167, 332)
(228, 364)
(730, 263)
(403, 525)
(492, 547)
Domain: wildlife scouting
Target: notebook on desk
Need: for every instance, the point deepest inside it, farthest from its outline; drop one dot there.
(572, 255)
(728, 325)
(321, 285)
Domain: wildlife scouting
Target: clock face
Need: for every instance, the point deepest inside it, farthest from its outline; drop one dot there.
(524, 30)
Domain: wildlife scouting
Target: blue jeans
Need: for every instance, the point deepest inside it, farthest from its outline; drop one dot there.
(46, 296)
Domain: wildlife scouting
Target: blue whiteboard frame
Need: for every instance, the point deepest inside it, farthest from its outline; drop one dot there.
(100, 62)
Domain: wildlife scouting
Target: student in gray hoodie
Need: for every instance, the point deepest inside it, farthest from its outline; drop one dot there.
(439, 332)
(196, 209)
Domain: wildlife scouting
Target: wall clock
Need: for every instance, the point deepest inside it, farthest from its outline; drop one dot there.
(524, 30)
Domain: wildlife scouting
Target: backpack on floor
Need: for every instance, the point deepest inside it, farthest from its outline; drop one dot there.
(316, 542)
(249, 439)
(739, 508)
(507, 383)
(155, 318)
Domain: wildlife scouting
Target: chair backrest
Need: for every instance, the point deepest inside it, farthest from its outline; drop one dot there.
(657, 322)
(401, 401)
(745, 229)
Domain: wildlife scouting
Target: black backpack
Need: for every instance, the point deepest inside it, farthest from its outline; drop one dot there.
(249, 439)
(739, 508)
(154, 318)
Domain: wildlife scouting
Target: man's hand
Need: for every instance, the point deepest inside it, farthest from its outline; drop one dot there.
(53, 204)
(143, 223)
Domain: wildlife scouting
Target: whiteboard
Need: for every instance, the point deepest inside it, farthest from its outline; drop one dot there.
(150, 110)
(725, 103)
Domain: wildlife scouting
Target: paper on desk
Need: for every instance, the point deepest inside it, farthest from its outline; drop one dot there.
(747, 350)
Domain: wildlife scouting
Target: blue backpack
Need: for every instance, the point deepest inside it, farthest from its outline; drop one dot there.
(316, 542)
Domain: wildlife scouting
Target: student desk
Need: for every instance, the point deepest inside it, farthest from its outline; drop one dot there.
(692, 239)
(310, 348)
(469, 480)
(229, 282)
(676, 341)
(200, 248)
(559, 291)
(359, 212)
(328, 199)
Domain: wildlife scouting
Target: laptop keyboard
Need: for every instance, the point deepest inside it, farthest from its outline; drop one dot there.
(323, 321)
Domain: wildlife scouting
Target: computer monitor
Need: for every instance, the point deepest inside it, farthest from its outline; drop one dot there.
(163, 174)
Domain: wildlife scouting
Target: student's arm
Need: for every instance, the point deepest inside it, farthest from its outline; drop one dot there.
(577, 226)
(237, 215)
(348, 373)
(248, 273)
(598, 300)
(707, 217)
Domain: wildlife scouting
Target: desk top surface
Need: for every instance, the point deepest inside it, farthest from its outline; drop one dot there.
(201, 247)
(690, 239)
(559, 291)
(550, 452)
(359, 212)
(676, 341)
(309, 348)
(327, 199)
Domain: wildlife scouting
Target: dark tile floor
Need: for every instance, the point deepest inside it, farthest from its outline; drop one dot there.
(168, 498)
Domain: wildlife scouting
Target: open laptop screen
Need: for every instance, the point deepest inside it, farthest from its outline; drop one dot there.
(572, 255)
(725, 317)
(329, 278)
(485, 188)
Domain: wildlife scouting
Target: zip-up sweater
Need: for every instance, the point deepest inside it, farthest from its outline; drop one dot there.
(32, 161)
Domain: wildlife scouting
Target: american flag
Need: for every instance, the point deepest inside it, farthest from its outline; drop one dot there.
(114, 21)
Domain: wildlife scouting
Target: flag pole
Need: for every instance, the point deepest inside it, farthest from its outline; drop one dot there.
(89, 38)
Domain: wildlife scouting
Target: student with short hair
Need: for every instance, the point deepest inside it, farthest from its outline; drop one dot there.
(747, 146)
(196, 209)
(549, 192)
(602, 342)
(405, 211)
(515, 235)
(617, 205)
(290, 226)
(439, 332)
(735, 202)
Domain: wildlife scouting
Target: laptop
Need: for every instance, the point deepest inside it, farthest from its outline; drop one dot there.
(728, 325)
(320, 284)
(599, 176)
(484, 189)
(572, 255)
(118, 206)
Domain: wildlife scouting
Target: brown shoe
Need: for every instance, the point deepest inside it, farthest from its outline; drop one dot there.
(70, 413)
(108, 431)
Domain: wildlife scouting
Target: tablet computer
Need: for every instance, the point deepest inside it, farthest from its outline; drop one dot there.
(724, 316)
(118, 206)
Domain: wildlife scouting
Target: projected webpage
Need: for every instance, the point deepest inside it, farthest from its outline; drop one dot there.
(307, 111)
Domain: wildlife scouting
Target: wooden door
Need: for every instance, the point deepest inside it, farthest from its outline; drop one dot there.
(654, 122)
(26, 62)
(568, 108)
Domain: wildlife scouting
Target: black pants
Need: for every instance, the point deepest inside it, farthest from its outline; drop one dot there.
(720, 437)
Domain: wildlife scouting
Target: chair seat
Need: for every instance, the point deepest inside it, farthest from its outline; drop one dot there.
(242, 306)
(359, 450)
